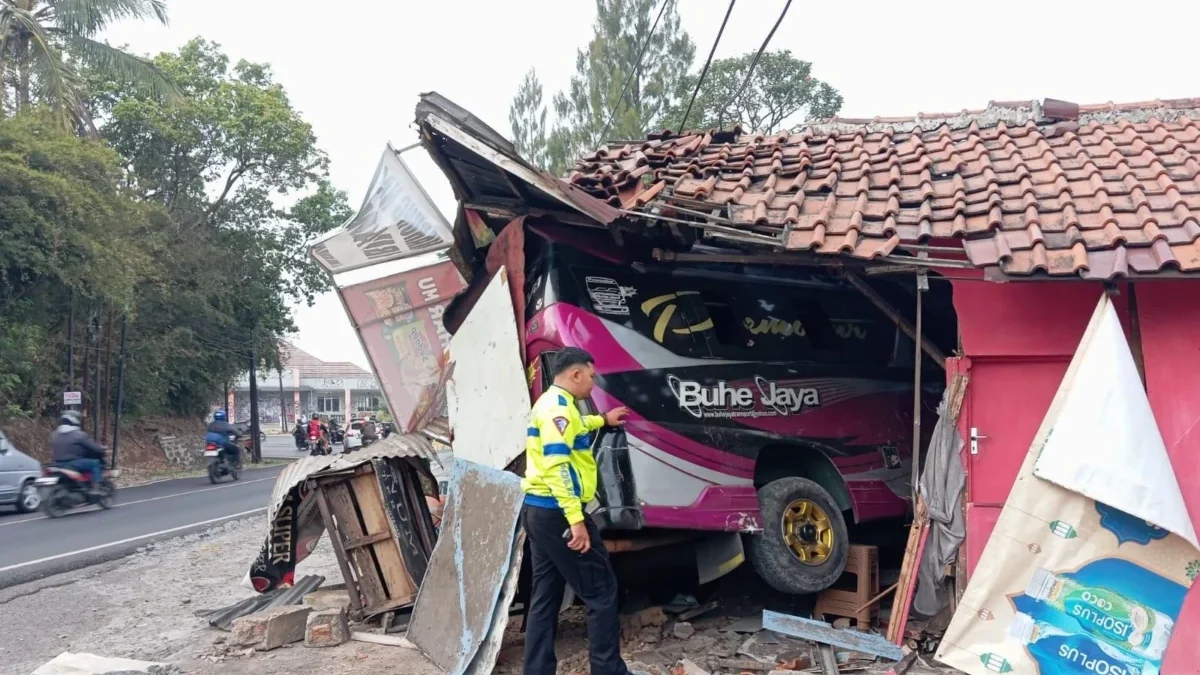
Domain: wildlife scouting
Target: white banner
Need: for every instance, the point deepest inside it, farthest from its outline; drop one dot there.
(397, 220)
(1087, 568)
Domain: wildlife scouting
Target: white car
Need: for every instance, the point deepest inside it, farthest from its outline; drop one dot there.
(353, 437)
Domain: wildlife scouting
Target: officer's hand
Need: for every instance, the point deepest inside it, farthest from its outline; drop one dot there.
(616, 416)
(580, 541)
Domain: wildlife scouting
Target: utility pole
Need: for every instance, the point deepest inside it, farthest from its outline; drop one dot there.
(282, 406)
(96, 403)
(120, 394)
(71, 343)
(256, 450)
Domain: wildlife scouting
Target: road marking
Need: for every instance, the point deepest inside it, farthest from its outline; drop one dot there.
(151, 499)
(129, 540)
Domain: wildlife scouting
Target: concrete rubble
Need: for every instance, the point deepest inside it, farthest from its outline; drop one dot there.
(328, 598)
(327, 628)
(272, 628)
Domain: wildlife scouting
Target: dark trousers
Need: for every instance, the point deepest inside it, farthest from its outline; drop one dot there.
(233, 451)
(591, 577)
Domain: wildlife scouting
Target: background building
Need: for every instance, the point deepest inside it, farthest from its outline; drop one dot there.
(309, 385)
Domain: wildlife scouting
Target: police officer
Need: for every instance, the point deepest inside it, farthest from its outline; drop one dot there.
(560, 477)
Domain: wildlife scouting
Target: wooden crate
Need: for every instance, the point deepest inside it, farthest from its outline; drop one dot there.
(863, 565)
(382, 543)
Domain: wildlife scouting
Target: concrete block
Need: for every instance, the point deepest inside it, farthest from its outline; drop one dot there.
(271, 628)
(684, 630)
(328, 598)
(326, 628)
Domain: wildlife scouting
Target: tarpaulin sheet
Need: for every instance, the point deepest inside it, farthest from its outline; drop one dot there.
(293, 517)
(399, 320)
(1090, 560)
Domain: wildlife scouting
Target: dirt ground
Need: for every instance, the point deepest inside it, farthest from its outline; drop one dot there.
(144, 607)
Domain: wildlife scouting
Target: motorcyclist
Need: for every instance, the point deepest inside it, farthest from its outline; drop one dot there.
(219, 432)
(316, 428)
(72, 448)
(300, 433)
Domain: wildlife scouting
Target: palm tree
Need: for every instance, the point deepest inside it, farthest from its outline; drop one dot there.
(44, 42)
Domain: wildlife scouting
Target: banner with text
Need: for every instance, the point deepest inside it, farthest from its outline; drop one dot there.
(397, 220)
(399, 320)
(1087, 568)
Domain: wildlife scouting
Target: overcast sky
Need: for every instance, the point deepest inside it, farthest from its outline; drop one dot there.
(355, 68)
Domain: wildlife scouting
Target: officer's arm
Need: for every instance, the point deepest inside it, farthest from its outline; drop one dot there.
(556, 436)
(593, 422)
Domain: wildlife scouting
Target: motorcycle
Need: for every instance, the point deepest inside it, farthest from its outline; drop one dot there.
(336, 434)
(300, 433)
(64, 489)
(315, 447)
(220, 464)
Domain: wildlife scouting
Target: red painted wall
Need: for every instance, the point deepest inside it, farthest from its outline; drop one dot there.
(1019, 339)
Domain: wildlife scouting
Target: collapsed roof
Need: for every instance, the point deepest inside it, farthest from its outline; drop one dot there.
(1022, 189)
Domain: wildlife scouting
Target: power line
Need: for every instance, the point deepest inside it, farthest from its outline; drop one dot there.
(707, 63)
(757, 56)
(633, 73)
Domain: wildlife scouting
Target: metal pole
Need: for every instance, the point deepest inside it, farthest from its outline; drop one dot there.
(120, 394)
(71, 343)
(282, 407)
(922, 284)
(257, 451)
(96, 401)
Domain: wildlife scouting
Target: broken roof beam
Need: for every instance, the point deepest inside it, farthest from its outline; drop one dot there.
(901, 322)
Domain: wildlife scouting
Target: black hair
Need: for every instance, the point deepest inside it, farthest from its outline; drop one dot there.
(568, 357)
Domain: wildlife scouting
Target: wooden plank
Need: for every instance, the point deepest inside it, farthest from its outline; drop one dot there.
(367, 540)
(823, 633)
(391, 604)
(396, 581)
(341, 505)
(376, 638)
(335, 539)
(917, 534)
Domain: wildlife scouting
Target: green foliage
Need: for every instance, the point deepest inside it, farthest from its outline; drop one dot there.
(781, 92)
(527, 116)
(190, 218)
(45, 43)
(67, 226)
(601, 69)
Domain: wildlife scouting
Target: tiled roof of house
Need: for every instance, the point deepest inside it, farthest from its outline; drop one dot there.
(1026, 187)
(311, 366)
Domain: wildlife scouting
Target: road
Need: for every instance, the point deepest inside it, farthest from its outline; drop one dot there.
(35, 546)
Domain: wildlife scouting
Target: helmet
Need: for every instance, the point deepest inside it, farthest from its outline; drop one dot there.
(219, 416)
(71, 418)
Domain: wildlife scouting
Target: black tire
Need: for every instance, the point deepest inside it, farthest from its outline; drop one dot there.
(769, 552)
(106, 500)
(214, 473)
(53, 505)
(29, 498)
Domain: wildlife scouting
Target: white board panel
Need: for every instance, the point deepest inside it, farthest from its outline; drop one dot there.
(487, 395)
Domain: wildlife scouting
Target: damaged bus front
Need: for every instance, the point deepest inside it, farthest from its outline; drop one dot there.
(778, 407)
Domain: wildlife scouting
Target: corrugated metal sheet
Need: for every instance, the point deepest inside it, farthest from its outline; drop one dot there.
(396, 445)
(223, 618)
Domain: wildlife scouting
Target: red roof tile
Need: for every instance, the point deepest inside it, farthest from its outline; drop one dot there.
(1096, 191)
(311, 366)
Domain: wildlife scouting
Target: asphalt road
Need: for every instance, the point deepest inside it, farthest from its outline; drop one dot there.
(33, 546)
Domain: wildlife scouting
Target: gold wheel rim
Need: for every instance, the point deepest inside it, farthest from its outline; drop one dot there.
(808, 532)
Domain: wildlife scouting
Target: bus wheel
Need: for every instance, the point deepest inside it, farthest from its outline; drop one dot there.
(804, 543)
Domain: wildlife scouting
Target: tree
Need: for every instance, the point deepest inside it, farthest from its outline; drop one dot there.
(43, 44)
(620, 29)
(527, 117)
(780, 91)
(239, 173)
(69, 229)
